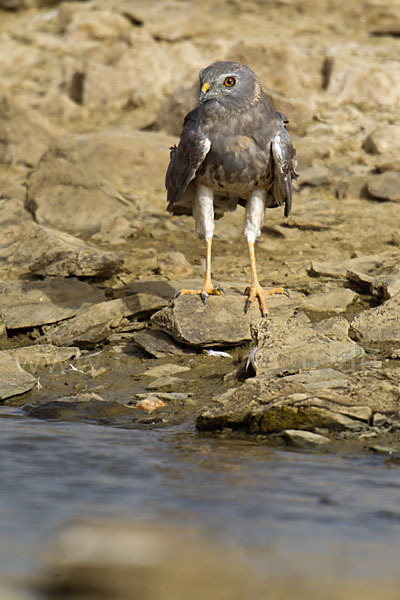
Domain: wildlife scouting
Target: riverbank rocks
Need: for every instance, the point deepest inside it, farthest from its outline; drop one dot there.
(13, 379)
(336, 300)
(380, 324)
(33, 303)
(270, 405)
(385, 186)
(79, 407)
(221, 322)
(96, 323)
(292, 345)
(49, 252)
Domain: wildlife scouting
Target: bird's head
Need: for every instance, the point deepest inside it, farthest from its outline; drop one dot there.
(226, 79)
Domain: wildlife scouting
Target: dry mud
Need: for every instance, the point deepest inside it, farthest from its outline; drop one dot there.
(93, 94)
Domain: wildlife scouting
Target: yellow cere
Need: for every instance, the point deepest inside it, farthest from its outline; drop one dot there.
(205, 87)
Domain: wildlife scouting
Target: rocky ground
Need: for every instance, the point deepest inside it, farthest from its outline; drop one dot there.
(92, 96)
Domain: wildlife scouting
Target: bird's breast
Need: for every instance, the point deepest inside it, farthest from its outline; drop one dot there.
(235, 165)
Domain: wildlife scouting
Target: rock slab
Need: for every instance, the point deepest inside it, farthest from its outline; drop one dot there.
(380, 324)
(13, 379)
(291, 345)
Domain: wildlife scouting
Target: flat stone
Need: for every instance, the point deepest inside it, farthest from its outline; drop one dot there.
(96, 323)
(159, 344)
(13, 379)
(383, 140)
(79, 407)
(304, 439)
(380, 324)
(333, 327)
(292, 346)
(221, 322)
(162, 382)
(33, 303)
(341, 267)
(43, 355)
(336, 300)
(385, 186)
(165, 369)
(265, 404)
(315, 379)
(49, 252)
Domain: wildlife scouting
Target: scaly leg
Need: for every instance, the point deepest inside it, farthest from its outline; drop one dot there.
(255, 290)
(252, 229)
(203, 212)
(208, 287)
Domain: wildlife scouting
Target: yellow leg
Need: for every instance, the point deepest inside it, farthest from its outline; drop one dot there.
(255, 289)
(208, 287)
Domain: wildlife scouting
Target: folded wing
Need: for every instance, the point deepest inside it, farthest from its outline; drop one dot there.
(185, 159)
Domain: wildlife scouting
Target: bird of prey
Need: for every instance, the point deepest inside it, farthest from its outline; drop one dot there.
(234, 149)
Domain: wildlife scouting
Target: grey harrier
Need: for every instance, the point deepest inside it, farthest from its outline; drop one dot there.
(234, 149)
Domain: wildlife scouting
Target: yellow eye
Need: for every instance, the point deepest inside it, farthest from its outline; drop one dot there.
(230, 81)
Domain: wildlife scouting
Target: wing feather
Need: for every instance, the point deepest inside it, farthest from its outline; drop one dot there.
(185, 159)
(285, 163)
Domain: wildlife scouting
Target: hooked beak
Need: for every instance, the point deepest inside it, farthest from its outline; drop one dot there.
(203, 92)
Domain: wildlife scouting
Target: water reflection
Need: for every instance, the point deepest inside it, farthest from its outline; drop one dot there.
(331, 514)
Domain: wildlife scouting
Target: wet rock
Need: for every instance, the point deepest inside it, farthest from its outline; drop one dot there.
(165, 369)
(79, 407)
(159, 344)
(43, 355)
(267, 405)
(336, 300)
(49, 252)
(385, 186)
(13, 379)
(96, 323)
(25, 135)
(150, 404)
(383, 140)
(221, 322)
(165, 382)
(292, 345)
(173, 264)
(304, 439)
(333, 327)
(33, 303)
(380, 324)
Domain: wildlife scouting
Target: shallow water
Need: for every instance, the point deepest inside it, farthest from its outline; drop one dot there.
(336, 514)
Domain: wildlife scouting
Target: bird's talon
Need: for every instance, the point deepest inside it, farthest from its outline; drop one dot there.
(286, 292)
(204, 297)
(220, 290)
(247, 306)
(177, 294)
